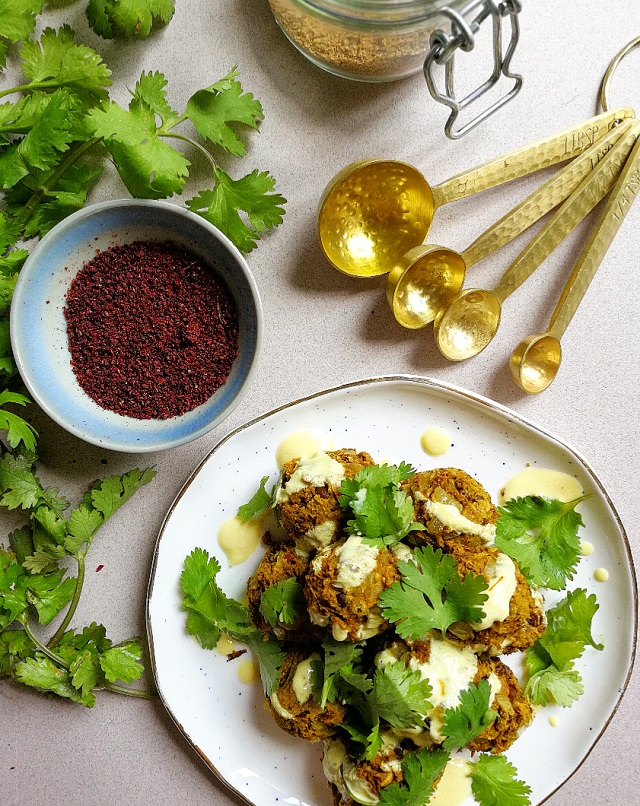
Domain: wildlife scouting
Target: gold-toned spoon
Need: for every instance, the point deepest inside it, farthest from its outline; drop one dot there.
(428, 277)
(536, 360)
(373, 211)
(469, 323)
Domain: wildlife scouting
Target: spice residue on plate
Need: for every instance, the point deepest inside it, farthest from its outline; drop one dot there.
(152, 332)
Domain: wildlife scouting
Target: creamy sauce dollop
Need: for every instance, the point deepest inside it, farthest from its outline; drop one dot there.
(239, 539)
(539, 481)
(435, 441)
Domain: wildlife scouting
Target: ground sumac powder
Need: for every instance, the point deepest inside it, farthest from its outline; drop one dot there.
(152, 332)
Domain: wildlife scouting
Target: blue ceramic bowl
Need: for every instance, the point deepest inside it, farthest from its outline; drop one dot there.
(39, 333)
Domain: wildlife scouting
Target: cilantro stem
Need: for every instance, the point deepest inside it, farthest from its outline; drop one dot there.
(72, 605)
(41, 647)
(141, 693)
(193, 143)
(36, 85)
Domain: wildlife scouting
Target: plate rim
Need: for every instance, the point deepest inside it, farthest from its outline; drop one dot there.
(419, 380)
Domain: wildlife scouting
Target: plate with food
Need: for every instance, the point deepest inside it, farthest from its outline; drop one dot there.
(396, 592)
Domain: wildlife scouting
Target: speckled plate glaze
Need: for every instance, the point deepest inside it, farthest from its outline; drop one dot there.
(225, 720)
(39, 331)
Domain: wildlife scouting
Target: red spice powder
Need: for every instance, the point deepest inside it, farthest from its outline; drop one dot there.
(152, 332)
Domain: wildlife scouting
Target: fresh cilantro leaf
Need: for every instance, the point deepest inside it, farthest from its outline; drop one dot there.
(282, 602)
(109, 494)
(383, 513)
(252, 195)
(42, 673)
(18, 18)
(421, 769)
(469, 718)
(127, 18)
(57, 61)
(85, 673)
(20, 117)
(13, 589)
(82, 525)
(270, 658)
(494, 782)
(432, 595)
(210, 611)
(10, 231)
(122, 662)
(400, 696)
(21, 542)
(19, 486)
(150, 90)
(552, 676)
(15, 645)
(18, 430)
(259, 502)
(212, 109)
(148, 166)
(50, 593)
(337, 655)
(541, 535)
(371, 741)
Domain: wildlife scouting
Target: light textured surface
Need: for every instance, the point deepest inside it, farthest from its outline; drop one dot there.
(323, 328)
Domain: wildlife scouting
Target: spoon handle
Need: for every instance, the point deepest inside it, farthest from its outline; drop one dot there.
(615, 209)
(537, 204)
(527, 159)
(584, 198)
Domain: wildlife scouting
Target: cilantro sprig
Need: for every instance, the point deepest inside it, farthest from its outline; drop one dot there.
(128, 18)
(494, 782)
(282, 602)
(552, 676)
(541, 535)
(34, 585)
(432, 595)
(421, 769)
(210, 612)
(470, 717)
(381, 512)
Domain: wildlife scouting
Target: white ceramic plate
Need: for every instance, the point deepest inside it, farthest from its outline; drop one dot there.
(226, 721)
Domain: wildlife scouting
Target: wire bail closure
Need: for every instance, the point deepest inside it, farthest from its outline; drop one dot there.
(462, 37)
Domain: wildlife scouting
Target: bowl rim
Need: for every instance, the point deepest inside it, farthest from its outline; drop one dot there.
(33, 385)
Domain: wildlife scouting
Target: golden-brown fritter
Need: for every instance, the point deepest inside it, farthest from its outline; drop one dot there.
(451, 487)
(280, 562)
(293, 705)
(307, 502)
(513, 708)
(526, 619)
(343, 587)
(360, 776)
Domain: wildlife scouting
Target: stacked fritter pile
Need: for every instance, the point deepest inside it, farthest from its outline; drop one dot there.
(393, 604)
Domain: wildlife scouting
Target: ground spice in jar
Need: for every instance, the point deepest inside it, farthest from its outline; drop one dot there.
(152, 332)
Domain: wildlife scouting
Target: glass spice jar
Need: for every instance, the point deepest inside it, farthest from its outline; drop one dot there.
(387, 40)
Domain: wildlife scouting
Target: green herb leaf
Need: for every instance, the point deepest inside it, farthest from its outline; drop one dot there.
(432, 595)
(15, 646)
(270, 658)
(421, 770)
(42, 673)
(400, 696)
(57, 61)
(541, 535)
(127, 18)
(494, 782)
(252, 195)
(550, 661)
(212, 109)
(338, 655)
(259, 502)
(18, 484)
(282, 602)
(49, 593)
(122, 662)
(18, 430)
(469, 718)
(18, 18)
(109, 494)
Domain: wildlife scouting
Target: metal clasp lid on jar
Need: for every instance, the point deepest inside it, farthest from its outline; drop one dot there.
(462, 37)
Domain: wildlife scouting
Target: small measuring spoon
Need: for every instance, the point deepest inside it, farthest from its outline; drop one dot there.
(536, 360)
(373, 211)
(428, 277)
(466, 326)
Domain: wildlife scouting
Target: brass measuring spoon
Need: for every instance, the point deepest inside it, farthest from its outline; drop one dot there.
(469, 323)
(373, 211)
(536, 360)
(428, 277)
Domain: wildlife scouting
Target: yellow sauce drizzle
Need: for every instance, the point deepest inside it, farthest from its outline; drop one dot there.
(455, 785)
(601, 575)
(225, 645)
(248, 672)
(538, 481)
(435, 441)
(554, 721)
(238, 539)
(301, 445)
(586, 548)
